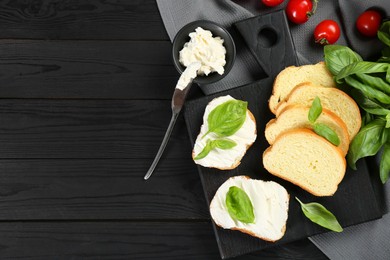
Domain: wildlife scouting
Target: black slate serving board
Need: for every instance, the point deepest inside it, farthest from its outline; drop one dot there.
(353, 203)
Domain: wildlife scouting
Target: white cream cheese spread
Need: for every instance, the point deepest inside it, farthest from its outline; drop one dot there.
(221, 159)
(206, 49)
(189, 74)
(270, 206)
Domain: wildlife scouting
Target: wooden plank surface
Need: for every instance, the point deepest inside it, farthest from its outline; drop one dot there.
(100, 189)
(83, 19)
(71, 166)
(127, 240)
(86, 69)
(88, 129)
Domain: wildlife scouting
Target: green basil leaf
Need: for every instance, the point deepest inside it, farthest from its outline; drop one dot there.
(388, 74)
(361, 67)
(239, 205)
(368, 91)
(337, 57)
(385, 55)
(315, 110)
(369, 105)
(367, 118)
(384, 33)
(320, 215)
(223, 144)
(227, 118)
(327, 132)
(367, 142)
(384, 165)
(206, 150)
(375, 82)
(387, 121)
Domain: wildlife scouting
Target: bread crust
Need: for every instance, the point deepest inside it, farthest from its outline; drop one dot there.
(282, 105)
(336, 149)
(238, 162)
(275, 101)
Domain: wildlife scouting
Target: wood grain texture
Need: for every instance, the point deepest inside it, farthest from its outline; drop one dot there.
(127, 240)
(86, 69)
(100, 189)
(71, 166)
(99, 19)
(89, 129)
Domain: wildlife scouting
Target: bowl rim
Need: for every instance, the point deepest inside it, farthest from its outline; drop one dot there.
(228, 37)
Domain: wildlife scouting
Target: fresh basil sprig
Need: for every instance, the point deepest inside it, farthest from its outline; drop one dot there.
(227, 118)
(369, 85)
(223, 144)
(321, 129)
(239, 205)
(320, 215)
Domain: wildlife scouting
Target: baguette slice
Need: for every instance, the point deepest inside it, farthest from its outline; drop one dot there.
(307, 160)
(225, 159)
(291, 76)
(332, 99)
(270, 206)
(296, 116)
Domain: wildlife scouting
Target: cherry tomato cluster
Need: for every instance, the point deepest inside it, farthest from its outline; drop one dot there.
(327, 31)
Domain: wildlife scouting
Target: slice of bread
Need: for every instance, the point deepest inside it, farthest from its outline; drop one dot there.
(296, 116)
(332, 99)
(307, 160)
(225, 159)
(270, 203)
(291, 76)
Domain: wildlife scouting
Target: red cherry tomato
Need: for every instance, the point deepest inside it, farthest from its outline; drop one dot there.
(299, 11)
(327, 32)
(272, 2)
(368, 23)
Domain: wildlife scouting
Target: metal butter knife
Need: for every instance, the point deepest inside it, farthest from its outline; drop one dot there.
(178, 99)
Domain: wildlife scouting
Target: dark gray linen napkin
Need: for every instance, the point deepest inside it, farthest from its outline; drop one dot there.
(365, 241)
(177, 13)
(370, 240)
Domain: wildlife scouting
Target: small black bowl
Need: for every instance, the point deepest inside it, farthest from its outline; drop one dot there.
(217, 30)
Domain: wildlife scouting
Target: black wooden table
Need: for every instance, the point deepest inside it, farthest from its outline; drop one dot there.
(85, 91)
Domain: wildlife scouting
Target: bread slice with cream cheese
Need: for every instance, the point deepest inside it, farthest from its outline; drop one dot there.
(307, 160)
(230, 158)
(270, 203)
(291, 76)
(296, 116)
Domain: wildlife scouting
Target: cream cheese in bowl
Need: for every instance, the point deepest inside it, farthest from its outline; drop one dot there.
(207, 43)
(202, 55)
(206, 49)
